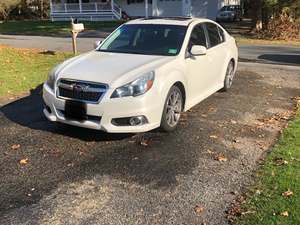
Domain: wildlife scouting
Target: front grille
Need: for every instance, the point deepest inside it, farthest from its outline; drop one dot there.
(80, 90)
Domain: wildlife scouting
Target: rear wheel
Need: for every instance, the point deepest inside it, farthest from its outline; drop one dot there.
(229, 76)
(172, 110)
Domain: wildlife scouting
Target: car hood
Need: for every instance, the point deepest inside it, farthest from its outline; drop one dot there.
(114, 69)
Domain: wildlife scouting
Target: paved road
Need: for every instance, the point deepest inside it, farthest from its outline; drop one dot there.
(78, 176)
(48, 43)
(289, 55)
(270, 54)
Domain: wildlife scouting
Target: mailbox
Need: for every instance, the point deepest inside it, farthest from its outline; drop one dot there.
(77, 27)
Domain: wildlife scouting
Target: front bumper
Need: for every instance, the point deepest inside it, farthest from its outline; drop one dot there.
(146, 105)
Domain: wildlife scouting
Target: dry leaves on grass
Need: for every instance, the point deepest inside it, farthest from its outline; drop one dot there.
(287, 193)
(280, 161)
(24, 161)
(285, 214)
(297, 99)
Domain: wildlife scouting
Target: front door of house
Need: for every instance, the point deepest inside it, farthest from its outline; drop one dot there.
(186, 7)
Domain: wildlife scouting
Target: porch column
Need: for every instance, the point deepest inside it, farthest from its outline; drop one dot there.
(146, 8)
(112, 4)
(50, 6)
(154, 8)
(80, 5)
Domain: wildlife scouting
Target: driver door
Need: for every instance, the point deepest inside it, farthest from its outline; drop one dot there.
(198, 67)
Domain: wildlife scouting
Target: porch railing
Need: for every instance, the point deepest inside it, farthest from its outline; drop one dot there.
(86, 8)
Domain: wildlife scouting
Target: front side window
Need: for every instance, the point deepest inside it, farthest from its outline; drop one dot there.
(147, 39)
(197, 37)
(213, 34)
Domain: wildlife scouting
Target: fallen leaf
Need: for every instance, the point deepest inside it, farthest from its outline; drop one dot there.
(220, 158)
(248, 212)
(285, 214)
(236, 141)
(280, 162)
(15, 146)
(145, 142)
(233, 122)
(198, 209)
(213, 136)
(287, 193)
(210, 151)
(24, 161)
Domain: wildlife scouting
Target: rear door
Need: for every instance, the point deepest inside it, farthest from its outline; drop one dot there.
(217, 53)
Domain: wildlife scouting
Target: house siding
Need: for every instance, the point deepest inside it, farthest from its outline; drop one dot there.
(197, 8)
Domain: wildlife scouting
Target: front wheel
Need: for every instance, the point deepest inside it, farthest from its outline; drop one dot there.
(230, 72)
(172, 110)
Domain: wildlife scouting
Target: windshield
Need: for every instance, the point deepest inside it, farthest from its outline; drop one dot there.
(228, 8)
(147, 39)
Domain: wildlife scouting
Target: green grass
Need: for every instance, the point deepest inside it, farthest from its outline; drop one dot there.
(48, 28)
(252, 40)
(265, 203)
(23, 69)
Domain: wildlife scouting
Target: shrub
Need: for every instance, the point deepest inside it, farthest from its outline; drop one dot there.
(282, 28)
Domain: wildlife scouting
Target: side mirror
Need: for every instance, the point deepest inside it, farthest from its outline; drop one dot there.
(96, 44)
(198, 50)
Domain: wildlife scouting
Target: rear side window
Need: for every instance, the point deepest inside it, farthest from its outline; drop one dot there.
(222, 35)
(197, 37)
(213, 34)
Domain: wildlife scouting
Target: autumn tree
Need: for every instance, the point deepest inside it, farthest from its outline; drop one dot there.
(6, 6)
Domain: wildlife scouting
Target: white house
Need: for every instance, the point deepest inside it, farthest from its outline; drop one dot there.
(114, 9)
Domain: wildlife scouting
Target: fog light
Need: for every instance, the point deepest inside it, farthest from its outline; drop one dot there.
(130, 121)
(137, 120)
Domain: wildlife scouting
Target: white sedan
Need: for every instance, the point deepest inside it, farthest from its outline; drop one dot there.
(142, 76)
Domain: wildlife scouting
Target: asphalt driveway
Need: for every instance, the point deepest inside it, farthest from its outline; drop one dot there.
(57, 174)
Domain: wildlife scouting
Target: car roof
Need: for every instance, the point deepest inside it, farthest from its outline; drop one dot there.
(183, 21)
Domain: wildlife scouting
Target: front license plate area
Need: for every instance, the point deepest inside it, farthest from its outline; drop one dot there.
(75, 110)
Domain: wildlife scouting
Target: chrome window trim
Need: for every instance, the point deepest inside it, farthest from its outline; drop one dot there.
(66, 86)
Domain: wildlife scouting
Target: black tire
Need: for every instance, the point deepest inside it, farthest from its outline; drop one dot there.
(165, 124)
(229, 76)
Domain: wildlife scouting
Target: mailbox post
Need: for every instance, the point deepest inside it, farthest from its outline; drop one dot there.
(76, 28)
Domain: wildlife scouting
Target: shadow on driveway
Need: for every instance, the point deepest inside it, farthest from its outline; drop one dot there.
(60, 153)
(290, 59)
(27, 112)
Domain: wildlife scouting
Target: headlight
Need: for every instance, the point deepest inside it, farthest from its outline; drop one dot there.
(52, 77)
(137, 87)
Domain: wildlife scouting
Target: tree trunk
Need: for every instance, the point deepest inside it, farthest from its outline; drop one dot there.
(257, 15)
